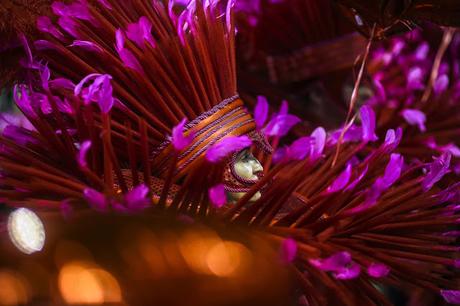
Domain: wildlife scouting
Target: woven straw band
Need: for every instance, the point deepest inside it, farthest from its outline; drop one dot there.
(230, 117)
(316, 59)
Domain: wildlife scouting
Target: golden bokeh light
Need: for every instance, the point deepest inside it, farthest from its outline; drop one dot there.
(194, 247)
(224, 259)
(13, 289)
(81, 283)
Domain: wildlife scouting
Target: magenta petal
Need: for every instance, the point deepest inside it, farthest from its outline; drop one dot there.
(261, 112)
(357, 180)
(437, 169)
(392, 138)
(140, 32)
(137, 198)
(392, 172)
(42, 44)
(415, 117)
(87, 45)
(19, 134)
(96, 200)
(179, 141)
(333, 263)
(86, 79)
(81, 157)
(23, 100)
(288, 250)
(130, 60)
(217, 196)
(341, 181)
(226, 146)
(368, 123)
(69, 25)
(62, 83)
(298, 150)
(106, 100)
(378, 270)
(280, 125)
(451, 296)
(45, 25)
(352, 134)
(319, 136)
(441, 84)
(351, 271)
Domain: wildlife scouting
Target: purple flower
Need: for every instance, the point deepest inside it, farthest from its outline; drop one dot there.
(451, 296)
(62, 83)
(45, 25)
(69, 25)
(368, 123)
(81, 156)
(99, 91)
(180, 141)
(280, 125)
(378, 270)
(341, 181)
(18, 134)
(96, 200)
(126, 56)
(140, 32)
(357, 180)
(350, 271)
(288, 250)
(319, 136)
(392, 138)
(217, 196)
(42, 44)
(333, 263)
(136, 199)
(87, 45)
(23, 100)
(77, 10)
(415, 117)
(298, 150)
(227, 146)
(261, 112)
(441, 84)
(437, 169)
(353, 134)
(415, 79)
(392, 172)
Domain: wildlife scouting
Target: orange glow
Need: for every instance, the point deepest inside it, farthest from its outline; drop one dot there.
(194, 247)
(80, 283)
(224, 259)
(13, 289)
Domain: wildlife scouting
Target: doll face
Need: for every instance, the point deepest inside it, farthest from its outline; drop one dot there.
(245, 170)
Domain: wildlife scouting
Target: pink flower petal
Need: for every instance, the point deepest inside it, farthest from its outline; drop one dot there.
(180, 141)
(261, 112)
(451, 296)
(378, 270)
(288, 250)
(341, 181)
(415, 117)
(226, 146)
(217, 196)
(368, 123)
(81, 157)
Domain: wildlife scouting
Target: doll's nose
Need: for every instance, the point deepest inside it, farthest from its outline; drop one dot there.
(256, 167)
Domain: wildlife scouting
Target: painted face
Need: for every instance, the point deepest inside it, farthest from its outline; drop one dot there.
(243, 172)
